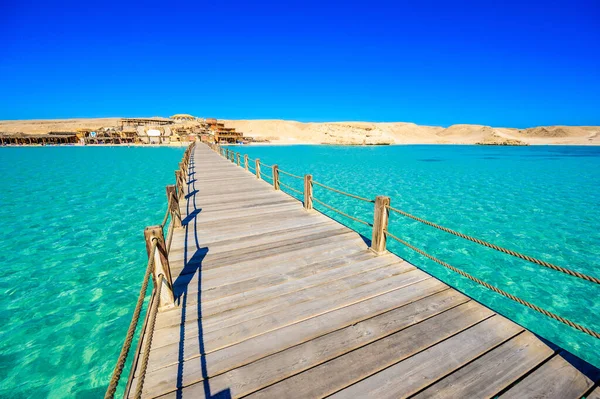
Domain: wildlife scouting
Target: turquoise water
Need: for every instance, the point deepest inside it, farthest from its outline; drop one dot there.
(72, 251)
(72, 257)
(541, 201)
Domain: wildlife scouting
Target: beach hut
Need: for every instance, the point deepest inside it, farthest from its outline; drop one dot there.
(154, 136)
(183, 117)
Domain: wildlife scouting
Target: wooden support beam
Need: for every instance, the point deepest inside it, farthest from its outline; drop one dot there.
(257, 168)
(174, 207)
(161, 274)
(380, 223)
(179, 183)
(308, 192)
(276, 177)
(246, 161)
(238, 159)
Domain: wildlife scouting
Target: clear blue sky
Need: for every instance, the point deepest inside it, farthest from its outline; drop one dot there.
(509, 63)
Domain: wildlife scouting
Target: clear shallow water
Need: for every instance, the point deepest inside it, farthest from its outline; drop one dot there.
(72, 251)
(72, 256)
(541, 201)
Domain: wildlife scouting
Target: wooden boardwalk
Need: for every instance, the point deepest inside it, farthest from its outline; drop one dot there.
(275, 301)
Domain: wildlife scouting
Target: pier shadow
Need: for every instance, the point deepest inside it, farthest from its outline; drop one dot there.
(194, 255)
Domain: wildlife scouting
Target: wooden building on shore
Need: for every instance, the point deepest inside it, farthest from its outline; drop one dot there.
(52, 138)
(144, 122)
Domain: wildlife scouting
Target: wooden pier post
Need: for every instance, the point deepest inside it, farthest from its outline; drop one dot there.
(308, 192)
(238, 159)
(175, 211)
(276, 177)
(161, 274)
(246, 161)
(257, 168)
(179, 182)
(380, 223)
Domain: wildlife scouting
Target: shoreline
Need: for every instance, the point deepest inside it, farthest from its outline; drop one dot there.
(184, 144)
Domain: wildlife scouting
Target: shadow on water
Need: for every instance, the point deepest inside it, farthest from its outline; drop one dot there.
(194, 255)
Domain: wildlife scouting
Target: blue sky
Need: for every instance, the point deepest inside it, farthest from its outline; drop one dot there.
(439, 63)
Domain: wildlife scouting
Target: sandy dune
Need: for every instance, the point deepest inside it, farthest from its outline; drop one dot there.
(291, 132)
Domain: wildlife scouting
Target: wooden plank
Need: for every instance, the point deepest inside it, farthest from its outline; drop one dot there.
(595, 394)
(281, 275)
(494, 371)
(263, 308)
(263, 294)
(214, 340)
(216, 276)
(277, 236)
(563, 377)
(243, 251)
(280, 366)
(409, 376)
(277, 341)
(204, 238)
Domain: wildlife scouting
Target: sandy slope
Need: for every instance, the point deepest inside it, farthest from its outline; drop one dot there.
(290, 132)
(408, 133)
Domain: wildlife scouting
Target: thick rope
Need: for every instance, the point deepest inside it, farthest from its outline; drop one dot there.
(170, 231)
(342, 213)
(343, 192)
(291, 188)
(166, 213)
(500, 249)
(291, 175)
(497, 290)
(150, 329)
(114, 381)
(265, 165)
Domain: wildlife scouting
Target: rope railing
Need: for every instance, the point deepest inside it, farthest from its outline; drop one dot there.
(114, 381)
(496, 289)
(342, 213)
(167, 213)
(265, 165)
(146, 351)
(291, 188)
(499, 248)
(156, 246)
(291, 175)
(380, 232)
(343, 192)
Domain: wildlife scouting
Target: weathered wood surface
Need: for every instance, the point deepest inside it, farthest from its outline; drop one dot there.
(276, 301)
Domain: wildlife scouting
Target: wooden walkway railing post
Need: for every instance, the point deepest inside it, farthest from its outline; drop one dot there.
(246, 161)
(257, 168)
(308, 192)
(182, 170)
(179, 183)
(161, 273)
(380, 223)
(238, 159)
(175, 210)
(276, 177)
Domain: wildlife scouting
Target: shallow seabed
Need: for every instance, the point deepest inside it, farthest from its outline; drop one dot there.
(72, 257)
(543, 201)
